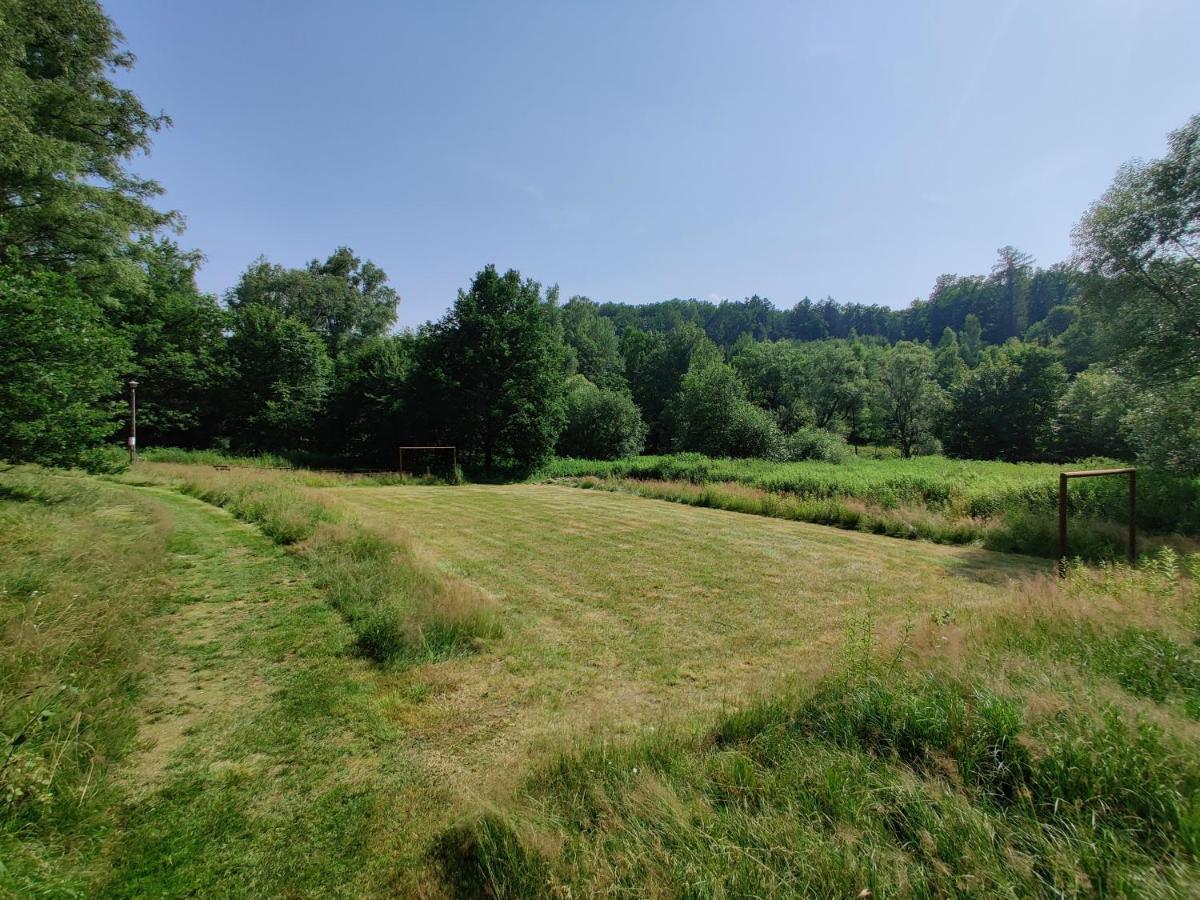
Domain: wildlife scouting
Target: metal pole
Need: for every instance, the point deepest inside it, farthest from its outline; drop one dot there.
(401, 462)
(1062, 524)
(1133, 518)
(132, 421)
(454, 462)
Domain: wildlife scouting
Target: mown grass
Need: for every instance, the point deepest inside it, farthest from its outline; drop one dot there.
(1020, 771)
(1007, 507)
(400, 609)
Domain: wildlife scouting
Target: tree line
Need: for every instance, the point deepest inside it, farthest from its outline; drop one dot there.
(1095, 357)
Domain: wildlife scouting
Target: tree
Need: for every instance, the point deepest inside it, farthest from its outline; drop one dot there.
(1005, 407)
(972, 341)
(907, 396)
(1140, 244)
(368, 397)
(1164, 427)
(832, 382)
(656, 363)
(713, 416)
(279, 376)
(342, 299)
(1090, 416)
(60, 368)
(600, 423)
(177, 337)
(948, 362)
(67, 132)
(1011, 275)
(495, 363)
(592, 343)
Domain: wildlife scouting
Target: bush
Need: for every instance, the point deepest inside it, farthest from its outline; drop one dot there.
(601, 424)
(816, 443)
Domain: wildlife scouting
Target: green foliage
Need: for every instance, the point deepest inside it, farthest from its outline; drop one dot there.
(493, 367)
(342, 299)
(713, 416)
(655, 364)
(66, 134)
(948, 362)
(908, 399)
(593, 345)
(816, 444)
(278, 381)
(1005, 407)
(971, 341)
(367, 399)
(1141, 244)
(60, 368)
(1163, 426)
(177, 337)
(601, 424)
(1090, 416)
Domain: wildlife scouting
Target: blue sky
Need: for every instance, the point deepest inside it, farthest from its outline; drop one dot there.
(637, 151)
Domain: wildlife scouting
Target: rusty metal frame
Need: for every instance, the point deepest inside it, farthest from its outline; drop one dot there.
(453, 456)
(1063, 477)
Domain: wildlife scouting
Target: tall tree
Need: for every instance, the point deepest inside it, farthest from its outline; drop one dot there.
(343, 299)
(279, 376)
(972, 341)
(1006, 406)
(907, 396)
(177, 337)
(592, 344)
(1140, 243)
(495, 365)
(67, 133)
(60, 367)
(948, 362)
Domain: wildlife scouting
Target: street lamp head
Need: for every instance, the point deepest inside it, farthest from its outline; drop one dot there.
(133, 383)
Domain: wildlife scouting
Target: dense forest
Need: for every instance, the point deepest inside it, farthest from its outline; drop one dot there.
(1096, 356)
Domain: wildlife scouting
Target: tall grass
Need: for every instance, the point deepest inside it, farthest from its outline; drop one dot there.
(399, 608)
(885, 779)
(1009, 507)
(80, 574)
(961, 488)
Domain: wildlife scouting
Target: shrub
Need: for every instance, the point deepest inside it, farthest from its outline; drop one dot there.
(817, 443)
(601, 424)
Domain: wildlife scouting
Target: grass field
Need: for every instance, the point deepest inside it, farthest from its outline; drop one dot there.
(584, 693)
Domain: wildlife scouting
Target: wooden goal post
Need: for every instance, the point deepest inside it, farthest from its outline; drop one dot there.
(453, 456)
(1063, 477)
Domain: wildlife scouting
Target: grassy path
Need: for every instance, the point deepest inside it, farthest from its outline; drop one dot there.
(621, 612)
(263, 767)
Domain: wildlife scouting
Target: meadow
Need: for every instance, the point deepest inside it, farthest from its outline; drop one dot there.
(1003, 506)
(256, 682)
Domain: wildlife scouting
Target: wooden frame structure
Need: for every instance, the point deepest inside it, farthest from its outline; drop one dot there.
(1063, 478)
(453, 456)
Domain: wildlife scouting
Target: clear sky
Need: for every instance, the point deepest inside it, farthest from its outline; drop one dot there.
(642, 150)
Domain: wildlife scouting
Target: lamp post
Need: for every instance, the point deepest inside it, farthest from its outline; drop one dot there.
(132, 421)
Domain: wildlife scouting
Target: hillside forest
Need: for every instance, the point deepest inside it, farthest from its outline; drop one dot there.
(1094, 356)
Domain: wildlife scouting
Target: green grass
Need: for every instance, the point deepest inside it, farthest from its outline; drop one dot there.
(1010, 507)
(400, 610)
(1005, 777)
(682, 701)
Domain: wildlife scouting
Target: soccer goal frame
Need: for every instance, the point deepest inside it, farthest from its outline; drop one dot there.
(1063, 478)
(453, 456)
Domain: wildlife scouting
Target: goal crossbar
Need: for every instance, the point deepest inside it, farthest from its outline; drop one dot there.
(453, 455)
